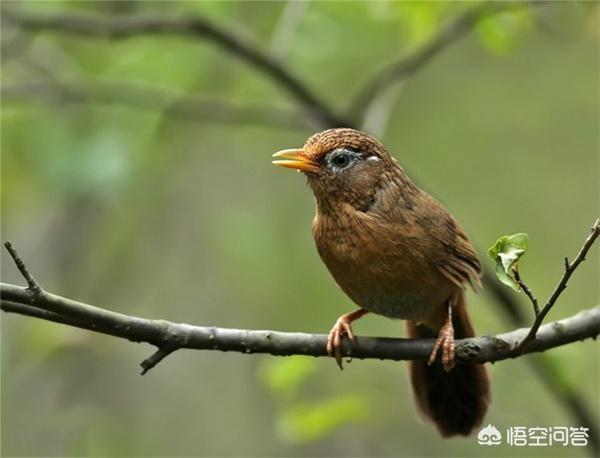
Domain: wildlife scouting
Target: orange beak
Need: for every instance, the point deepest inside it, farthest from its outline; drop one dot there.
(295, 159)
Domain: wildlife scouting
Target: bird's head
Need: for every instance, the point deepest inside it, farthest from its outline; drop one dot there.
(342, 165)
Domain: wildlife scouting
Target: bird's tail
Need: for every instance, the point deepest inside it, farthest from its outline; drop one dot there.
(455, 401)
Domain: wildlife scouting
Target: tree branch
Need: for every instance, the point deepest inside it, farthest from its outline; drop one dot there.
(560, 287)
(32, 284)
(407, 66)
(527, 291)
(147, 98)
(122, 27)
(326, 118)
(169, 337)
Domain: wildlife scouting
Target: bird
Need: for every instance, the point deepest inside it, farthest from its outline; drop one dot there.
(396, 251)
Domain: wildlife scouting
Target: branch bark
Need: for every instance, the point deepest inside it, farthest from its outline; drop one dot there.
(168, 336)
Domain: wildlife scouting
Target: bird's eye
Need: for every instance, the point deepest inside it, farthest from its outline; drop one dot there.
(341, 160)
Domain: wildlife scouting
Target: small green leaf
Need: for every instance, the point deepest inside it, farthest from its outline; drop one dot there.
(506, 252)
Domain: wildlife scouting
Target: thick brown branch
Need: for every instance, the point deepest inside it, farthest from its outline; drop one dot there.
(168, 336)
(197, 27)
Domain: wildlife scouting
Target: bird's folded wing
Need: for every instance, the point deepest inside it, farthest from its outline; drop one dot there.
(462, 264)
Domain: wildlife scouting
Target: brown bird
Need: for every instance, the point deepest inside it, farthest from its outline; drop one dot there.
(397, 252)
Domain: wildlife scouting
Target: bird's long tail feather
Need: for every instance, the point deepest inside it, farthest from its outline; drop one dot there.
(455, 401)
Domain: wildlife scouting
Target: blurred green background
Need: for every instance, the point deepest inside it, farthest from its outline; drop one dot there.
(181, 218)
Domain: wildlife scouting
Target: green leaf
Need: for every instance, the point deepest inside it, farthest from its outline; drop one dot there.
(506, 252)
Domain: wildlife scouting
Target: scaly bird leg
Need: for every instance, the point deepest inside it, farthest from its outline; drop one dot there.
(445, 341)
(342, 326)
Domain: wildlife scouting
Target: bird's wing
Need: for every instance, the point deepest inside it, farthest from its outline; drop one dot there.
(462, 264)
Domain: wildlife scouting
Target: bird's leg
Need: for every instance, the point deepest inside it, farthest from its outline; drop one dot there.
(342, 326)
(445, 341)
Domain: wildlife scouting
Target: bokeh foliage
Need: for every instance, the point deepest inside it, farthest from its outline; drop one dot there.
(175, 218)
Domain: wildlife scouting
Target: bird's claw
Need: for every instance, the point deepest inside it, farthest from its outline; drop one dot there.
(334, 341)
(445, 341)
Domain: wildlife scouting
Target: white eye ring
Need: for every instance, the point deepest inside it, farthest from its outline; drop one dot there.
(341, 159)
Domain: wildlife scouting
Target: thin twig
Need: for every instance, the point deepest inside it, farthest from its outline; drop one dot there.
(197, 27)
(527, 291)
(157, 357)
(560, 287)
(33, 285)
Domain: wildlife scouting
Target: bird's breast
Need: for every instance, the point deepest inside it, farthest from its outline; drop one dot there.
(383, 268)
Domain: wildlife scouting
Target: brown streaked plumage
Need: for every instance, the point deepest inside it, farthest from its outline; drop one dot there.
(397, 252)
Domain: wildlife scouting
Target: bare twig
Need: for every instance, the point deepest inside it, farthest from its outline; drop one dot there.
(405, 67)
(149, 98)
(157, 357)
(32, 284)
(527, 291)
(560, 287)
(121, 27)
(169, 337)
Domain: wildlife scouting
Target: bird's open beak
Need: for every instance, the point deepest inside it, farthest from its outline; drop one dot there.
(295, 159)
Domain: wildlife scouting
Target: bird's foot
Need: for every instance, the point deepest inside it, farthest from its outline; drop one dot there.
(342, 326)
(445, 341)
